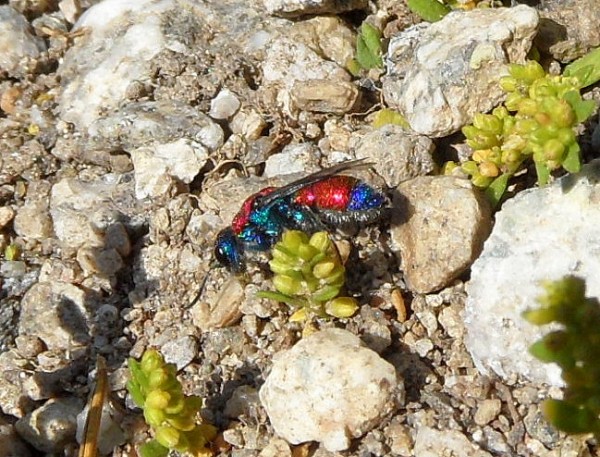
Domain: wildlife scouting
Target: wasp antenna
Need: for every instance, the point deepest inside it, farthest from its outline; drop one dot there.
(203, 285)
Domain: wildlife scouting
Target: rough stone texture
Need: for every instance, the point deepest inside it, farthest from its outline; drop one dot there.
(180, 351)
(17, 43)
(328, 388)
(559, 37)
(439, 75)
(324, 96)
(13, 399)
(397, 154)
(151, 123)
(224, 105)
(159, 167)
(83, 212)
(541, 234)
(294, 158)
(439, 226)
(295, 8)
(33, 221)
(56, 313)
(305, 54)
(435, 443)
(52, 425)
(11, 445)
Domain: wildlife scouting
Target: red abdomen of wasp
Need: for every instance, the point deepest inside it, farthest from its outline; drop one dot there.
(332, 193)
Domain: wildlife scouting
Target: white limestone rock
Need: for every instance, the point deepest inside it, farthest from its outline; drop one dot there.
(306, 53)
(123, 37)
(541, 234)
(294, 158)
(88, 213)
(18, 45)
(295, 8)
(439, 75)
(158, 167)
(224, 105)
(329, 388)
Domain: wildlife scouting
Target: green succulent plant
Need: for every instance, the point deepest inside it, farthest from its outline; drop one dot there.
(171, 414)
(536, 122)
(575, 347)
(369, 50)
(309, 276)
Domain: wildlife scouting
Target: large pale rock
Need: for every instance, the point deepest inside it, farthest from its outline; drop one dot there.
(439, 75)
(18, 45)
(50, 427)
(329, 388)
(310, 54)
(57, 314)
(440, 225)
(89, 213)
(159, 167)
(541, 234)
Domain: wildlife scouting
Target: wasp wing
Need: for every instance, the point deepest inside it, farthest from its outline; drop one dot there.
(289, 189)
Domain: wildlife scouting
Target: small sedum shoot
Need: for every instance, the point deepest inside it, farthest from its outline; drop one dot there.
(368, 50)
(171, 414)
(309, 276)
(575, 347)
(535, 123)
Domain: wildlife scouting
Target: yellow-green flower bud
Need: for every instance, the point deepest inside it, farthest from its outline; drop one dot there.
(321, 241)
(293, 239)
(528, 107)
(176, 404)
(554, 150)
(527, 73)
(287, 285)
(508, 84)
(323, 269)
(563, 115)
(182, 423)
(470, 167)
(167, 436)
(158, 399)
(488, 123)
(306, 252)
(151, 360)
(154, 416)
(282, 254)
(158, 377)
(481, 181)
(281, 268)
(513, 100)
(566, 136)
(341, 307)
(524, 126)
(512, 158)
(489, 169)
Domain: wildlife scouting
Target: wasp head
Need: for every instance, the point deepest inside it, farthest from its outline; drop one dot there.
(229, 251)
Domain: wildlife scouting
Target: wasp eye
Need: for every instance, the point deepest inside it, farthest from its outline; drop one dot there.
(229, 252)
